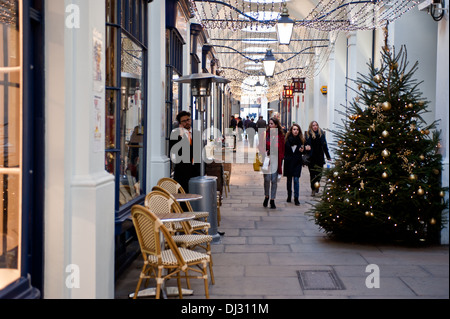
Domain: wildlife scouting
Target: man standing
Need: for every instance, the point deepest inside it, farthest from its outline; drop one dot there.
(181, 145)
(261, 124)
(233, 123)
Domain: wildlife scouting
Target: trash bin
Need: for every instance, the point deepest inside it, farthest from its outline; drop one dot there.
(207, 187)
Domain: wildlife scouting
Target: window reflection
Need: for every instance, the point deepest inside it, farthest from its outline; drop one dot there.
(131, 121)
(10, 141)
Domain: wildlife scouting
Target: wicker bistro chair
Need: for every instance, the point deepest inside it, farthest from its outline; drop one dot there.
(198, 215)
(162, 202)
(227, 176)
(189, 227)
(173, 187)
(175, 260)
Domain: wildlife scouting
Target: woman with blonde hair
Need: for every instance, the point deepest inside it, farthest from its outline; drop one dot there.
(318, 148)
(295, 146)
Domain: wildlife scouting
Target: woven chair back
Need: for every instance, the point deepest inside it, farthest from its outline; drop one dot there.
(171, 185)
(148, 228)
(147, 231)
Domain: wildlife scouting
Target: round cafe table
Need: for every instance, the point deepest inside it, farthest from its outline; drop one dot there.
(187, 197)
(172, 217)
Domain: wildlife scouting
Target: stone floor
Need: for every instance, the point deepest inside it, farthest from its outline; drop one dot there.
(263, 252)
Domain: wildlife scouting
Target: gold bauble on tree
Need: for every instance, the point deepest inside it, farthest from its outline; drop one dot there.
(420, 191)
(384, 175)
(432, 221)
(386, 106)
(385, 134)
(317, 185)
(385, 153)
(378, 78)
(412, 177)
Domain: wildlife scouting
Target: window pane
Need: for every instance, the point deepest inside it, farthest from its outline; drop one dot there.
(10, 142)
(131, 121)
(111, 118)
(110, 163)
(9, 223)
(111, 11)
(111, 56)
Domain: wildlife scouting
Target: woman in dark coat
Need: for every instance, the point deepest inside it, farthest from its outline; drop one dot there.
(293, 161)
(316, 143)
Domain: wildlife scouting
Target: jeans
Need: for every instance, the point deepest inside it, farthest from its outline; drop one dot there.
(296, 186)
(271, 179)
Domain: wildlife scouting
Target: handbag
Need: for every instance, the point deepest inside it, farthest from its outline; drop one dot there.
(306, 159)
(257, 163)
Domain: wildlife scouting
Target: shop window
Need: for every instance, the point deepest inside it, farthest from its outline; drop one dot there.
(10, 141)
(174, 67)
(126, 99)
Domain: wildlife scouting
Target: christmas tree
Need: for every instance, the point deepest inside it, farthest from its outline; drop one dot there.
(386, 184)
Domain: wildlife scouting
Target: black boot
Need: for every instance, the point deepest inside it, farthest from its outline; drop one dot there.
(266, 201)
(297, 203)
(288, 198)
(272, 204)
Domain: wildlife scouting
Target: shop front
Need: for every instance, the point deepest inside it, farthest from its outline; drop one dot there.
(21, 139)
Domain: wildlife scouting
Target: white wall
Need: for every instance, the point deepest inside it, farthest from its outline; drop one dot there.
(79, 194)
(158, 163)
(442, 102)
(418, 31)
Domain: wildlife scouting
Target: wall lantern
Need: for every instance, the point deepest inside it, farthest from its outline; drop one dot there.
(288, 91)
(297, 85)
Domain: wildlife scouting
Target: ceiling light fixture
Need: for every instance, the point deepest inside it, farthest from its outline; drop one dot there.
(285, 26)
(269, 63)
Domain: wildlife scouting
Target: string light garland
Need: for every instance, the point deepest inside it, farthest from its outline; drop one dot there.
(243, 30)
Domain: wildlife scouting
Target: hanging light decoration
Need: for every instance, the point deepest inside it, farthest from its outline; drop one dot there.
(243, 31)
(269, 63)
(288, 92)
(285, 26)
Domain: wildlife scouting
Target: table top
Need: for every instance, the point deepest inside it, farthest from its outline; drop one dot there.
(173, 217)
(186, 197)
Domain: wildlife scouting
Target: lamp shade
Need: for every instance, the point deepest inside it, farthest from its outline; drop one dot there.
(269, 63)
(285, 26)
(201, 83)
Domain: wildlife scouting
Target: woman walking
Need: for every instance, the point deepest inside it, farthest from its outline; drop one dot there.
(275, 144)
(315, 138)
(295, 146)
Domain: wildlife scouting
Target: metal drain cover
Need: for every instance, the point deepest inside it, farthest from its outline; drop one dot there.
(319, 280)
